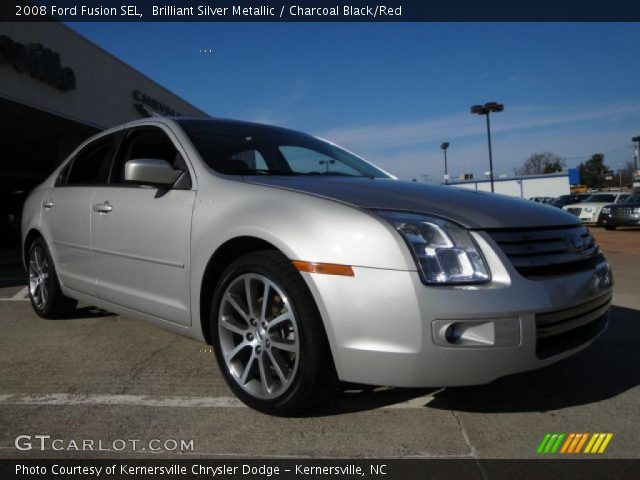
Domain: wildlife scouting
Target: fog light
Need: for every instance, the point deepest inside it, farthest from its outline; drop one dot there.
(490, 332)
(453, 333)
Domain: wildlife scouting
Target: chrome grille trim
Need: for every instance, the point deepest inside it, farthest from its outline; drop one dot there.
(531, 251)
(622, 214)
(575, 211)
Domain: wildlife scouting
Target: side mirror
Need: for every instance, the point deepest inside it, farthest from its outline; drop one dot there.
(150, 171)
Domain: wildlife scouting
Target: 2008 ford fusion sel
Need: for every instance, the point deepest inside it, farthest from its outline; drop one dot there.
(304, 265)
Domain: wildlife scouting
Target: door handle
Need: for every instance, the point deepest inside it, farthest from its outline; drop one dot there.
(48, 204)
(102, 207)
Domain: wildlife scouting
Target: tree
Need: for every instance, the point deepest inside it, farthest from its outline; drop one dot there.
(555, 166)
(542, 162)
(628, 172)
(592, 172)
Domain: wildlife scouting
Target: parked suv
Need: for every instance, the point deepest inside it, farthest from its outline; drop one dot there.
(302, 264)
(622, 214)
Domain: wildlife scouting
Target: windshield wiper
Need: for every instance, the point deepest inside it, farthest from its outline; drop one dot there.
(264, 171)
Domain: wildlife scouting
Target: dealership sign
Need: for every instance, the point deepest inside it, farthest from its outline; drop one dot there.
(41, 62)
(149, 106)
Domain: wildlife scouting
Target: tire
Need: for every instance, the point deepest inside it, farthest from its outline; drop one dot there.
(277, 362)
(609, 227)
(45, 294)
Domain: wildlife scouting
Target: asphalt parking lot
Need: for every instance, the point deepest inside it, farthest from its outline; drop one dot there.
(103, 377)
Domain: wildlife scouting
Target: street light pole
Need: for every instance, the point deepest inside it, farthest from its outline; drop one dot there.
(620, 172)
(490, 153)
(636, 153)
(486, 110)
(444, 147)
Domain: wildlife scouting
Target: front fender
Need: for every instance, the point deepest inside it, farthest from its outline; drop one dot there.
(302, 226)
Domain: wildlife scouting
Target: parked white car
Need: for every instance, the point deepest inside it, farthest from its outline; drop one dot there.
(589, 210)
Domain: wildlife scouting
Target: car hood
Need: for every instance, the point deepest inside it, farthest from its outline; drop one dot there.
(624, 205)
(591, 204)
(470, 208)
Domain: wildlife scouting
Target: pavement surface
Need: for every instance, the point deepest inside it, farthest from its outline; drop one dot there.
(107, 378)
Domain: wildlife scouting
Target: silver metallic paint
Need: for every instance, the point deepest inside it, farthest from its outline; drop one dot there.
(378, 322)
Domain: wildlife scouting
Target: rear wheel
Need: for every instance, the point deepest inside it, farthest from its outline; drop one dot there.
(268, 336)
(44, 289)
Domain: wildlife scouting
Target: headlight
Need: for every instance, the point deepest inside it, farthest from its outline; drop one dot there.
(445, 253)
(636, 211)
(606, 210)
(588, 210)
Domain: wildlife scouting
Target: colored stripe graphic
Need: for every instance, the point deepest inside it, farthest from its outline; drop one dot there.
(573, 443)
(599, 442)
(567, 443)
(550, 443)
(555, 447)
(606, 442)
(591, 442)
(581, 442)
(543, 443)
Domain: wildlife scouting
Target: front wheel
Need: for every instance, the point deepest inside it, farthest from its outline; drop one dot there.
(44, 289)
(268, 336)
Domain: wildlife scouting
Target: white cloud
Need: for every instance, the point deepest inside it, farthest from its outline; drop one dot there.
(394, 135)
(410, 149)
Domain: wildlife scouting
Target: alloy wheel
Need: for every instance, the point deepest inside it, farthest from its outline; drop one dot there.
(38, 277)
(258, 335)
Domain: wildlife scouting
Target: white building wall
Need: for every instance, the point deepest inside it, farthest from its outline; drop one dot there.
(550, 186)
(483, 186)
(507, 187)
(545, 187)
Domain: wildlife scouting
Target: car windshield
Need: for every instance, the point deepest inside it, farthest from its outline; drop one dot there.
(635, 198)
(601, 199)
(565, 198)
(237, 148)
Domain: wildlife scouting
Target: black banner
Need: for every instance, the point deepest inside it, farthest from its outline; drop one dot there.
(289, 469)
(318, 10)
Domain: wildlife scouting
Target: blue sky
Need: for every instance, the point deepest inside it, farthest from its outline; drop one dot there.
(393, 92)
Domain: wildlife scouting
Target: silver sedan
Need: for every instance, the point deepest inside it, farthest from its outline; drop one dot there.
(304, 265)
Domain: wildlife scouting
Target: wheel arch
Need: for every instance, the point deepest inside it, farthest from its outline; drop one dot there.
(224, 255)
(28, 240)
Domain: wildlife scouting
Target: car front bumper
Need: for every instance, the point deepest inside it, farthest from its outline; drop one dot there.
(588, 217)
(383, 324)
(631, 220)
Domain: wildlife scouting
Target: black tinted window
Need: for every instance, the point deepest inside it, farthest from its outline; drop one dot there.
(238, 148)
(91, 164)
(150, 143)
(601, 199)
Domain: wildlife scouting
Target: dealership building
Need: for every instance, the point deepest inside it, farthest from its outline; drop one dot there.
(526, 186)
(56, 89)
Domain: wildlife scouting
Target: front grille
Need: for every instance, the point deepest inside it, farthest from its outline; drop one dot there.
(548, 251)
(575, 211)
(569, 328)
(622, 214)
